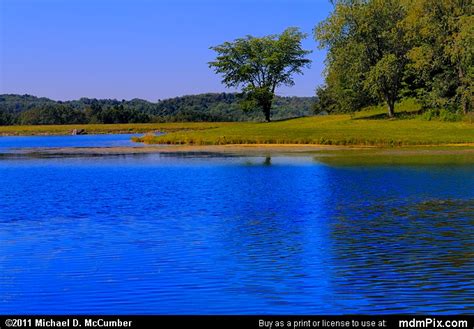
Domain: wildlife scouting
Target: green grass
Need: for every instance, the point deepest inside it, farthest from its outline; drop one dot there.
(408, 108)
(334, 130)
(368, 127)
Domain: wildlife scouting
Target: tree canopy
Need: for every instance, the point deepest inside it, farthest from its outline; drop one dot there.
(441, 34)
(366, 51)
(259, 65)
(381, 50)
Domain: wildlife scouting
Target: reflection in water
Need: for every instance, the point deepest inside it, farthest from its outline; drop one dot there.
(167, 235)
(415, 254)
(276, 253)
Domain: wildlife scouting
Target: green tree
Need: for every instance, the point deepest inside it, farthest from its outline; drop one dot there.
(261, 64)
(366, 51)
(51, 115)
(442, 53)
(5, 118)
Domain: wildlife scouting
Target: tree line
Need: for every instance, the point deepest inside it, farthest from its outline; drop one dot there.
(377, 51)
(31, 110)
(384, 50)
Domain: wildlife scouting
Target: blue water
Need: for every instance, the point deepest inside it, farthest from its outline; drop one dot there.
(9, 143)
(234, 235)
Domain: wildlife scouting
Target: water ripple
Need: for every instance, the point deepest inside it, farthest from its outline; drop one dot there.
(218, 236)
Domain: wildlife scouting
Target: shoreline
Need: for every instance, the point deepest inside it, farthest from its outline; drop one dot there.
(65, 134)
(250, 149)
(308, 132)
(330, 155)
(105, 129)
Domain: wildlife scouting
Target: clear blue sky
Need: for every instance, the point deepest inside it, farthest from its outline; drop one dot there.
(67, 49)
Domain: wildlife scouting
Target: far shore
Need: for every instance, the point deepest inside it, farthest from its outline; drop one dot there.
(301, 135)
(254, 149)
(101, 129)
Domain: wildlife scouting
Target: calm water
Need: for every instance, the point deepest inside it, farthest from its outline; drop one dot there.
(10, 143)
(183, 235)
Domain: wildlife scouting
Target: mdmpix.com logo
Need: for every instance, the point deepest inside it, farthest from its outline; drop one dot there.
(432, 323)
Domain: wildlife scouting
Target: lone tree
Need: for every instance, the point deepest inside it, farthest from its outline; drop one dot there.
(260, 65)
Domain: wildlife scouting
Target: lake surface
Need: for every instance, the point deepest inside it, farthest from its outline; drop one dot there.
(11, 143)
(234, 235)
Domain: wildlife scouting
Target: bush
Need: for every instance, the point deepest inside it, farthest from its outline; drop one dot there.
(445, 115)
(429, 115)
(441, 115)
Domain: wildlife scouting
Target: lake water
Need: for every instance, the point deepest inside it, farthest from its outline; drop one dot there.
(234, 235)
(11, 143)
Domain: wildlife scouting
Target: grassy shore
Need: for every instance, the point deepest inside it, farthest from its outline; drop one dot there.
(330, 130)
(366, 128)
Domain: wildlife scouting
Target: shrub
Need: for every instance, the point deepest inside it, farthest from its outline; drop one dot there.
(441, 115)
(445, 115)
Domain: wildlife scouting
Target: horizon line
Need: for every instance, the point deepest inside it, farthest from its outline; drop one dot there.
(137, 98)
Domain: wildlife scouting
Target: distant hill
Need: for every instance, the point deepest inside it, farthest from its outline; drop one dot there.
(27, 109)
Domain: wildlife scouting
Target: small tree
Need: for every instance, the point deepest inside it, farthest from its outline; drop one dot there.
(260, 65)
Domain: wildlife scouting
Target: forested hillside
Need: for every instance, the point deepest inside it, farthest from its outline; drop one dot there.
(31, 110)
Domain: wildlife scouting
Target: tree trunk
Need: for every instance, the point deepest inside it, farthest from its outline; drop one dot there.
(464, 98)
(466, 104)
(264, 99)
(266, 110)
(465, 108)
(391, 108)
